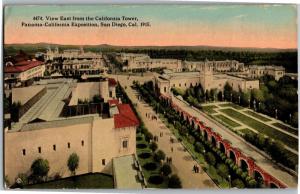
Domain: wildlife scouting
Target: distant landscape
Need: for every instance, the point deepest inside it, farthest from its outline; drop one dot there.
(250, 56)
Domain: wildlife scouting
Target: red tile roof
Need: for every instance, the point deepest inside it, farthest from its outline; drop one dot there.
(22, 66)
(126, 117)
(112, 82)
(113, 102)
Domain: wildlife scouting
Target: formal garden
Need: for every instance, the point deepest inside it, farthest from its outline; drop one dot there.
(265, 100)
(157, 172)
(223, 171)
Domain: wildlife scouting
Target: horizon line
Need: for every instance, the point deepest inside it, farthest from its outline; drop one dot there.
(242, 47)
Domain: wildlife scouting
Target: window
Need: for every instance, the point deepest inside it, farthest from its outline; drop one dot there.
(69, 145)
(54, 147)
(110, 94)
(125, 144)
(40, 149)
(165, 89)
(24, 152)
(82, 143)
(103, 162)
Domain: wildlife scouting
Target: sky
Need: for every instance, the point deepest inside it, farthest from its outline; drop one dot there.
(230, 25)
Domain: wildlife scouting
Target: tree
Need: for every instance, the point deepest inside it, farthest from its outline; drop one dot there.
(148, 136)
(166, 170)
(199, 147)
(174, 182)
(227, 91)
(73, 163)
(210, 158)
(159, 155)
(40, 168)
(238, 183)
(153, 146)
(223, 170)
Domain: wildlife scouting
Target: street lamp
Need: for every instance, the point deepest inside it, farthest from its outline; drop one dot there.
(276, 113)
(254, 105)
(231, 97)
(290, 118)
(239, 99)
(222, 96)
(229, 180)
(258, 106)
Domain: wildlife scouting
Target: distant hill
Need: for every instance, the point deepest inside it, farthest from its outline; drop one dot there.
(41, 47)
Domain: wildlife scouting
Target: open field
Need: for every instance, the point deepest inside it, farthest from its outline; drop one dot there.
(209, 109)
(227, 120)
(232, 106)
(257, 116)
(261, 127)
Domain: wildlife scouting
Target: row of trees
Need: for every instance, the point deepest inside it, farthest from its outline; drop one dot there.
(225, 166)
(40, 168)
(274, 148)
(278, 99)
(158, 155)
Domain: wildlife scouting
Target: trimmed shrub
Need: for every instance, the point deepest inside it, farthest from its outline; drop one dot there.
(166, 170)
(159, 155)
(238, 183)
(174, 182)
(156, 179)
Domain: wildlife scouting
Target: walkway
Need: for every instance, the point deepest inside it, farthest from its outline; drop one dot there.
(182, 161)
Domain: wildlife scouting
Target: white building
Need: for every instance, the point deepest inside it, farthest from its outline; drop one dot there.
(206, 78)
(43, 131)
(257, 71)
(23, 71)
(218, 66)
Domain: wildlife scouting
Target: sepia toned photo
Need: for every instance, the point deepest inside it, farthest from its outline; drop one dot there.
(199, 96)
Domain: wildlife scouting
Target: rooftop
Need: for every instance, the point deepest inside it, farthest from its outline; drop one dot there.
(22, 66)
(126, 117)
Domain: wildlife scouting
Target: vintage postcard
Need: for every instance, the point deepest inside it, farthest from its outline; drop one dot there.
(200, 96)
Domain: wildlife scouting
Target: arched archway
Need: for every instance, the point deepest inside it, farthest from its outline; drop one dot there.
(273, 186)
(222, 147)
(244, 165)
(232, 156)
(213, 141)
(259, 179)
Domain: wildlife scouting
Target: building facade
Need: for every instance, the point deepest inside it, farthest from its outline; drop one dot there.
(258, 71)
(206, 78)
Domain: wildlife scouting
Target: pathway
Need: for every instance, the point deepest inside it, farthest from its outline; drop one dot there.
(182, 161)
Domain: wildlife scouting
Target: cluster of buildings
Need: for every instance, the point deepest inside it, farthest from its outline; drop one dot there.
(98, 136)
(205, 77)
(21, 69)
(75, 62)
(210, 74)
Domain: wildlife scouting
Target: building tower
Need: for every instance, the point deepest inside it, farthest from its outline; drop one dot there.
(206, 75)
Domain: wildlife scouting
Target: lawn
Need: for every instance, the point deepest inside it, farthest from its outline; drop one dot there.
(286, 128)
(235, 106)
(227, 120)
(257, 116)
(86, 181)
(209, 109)
(262, 128)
